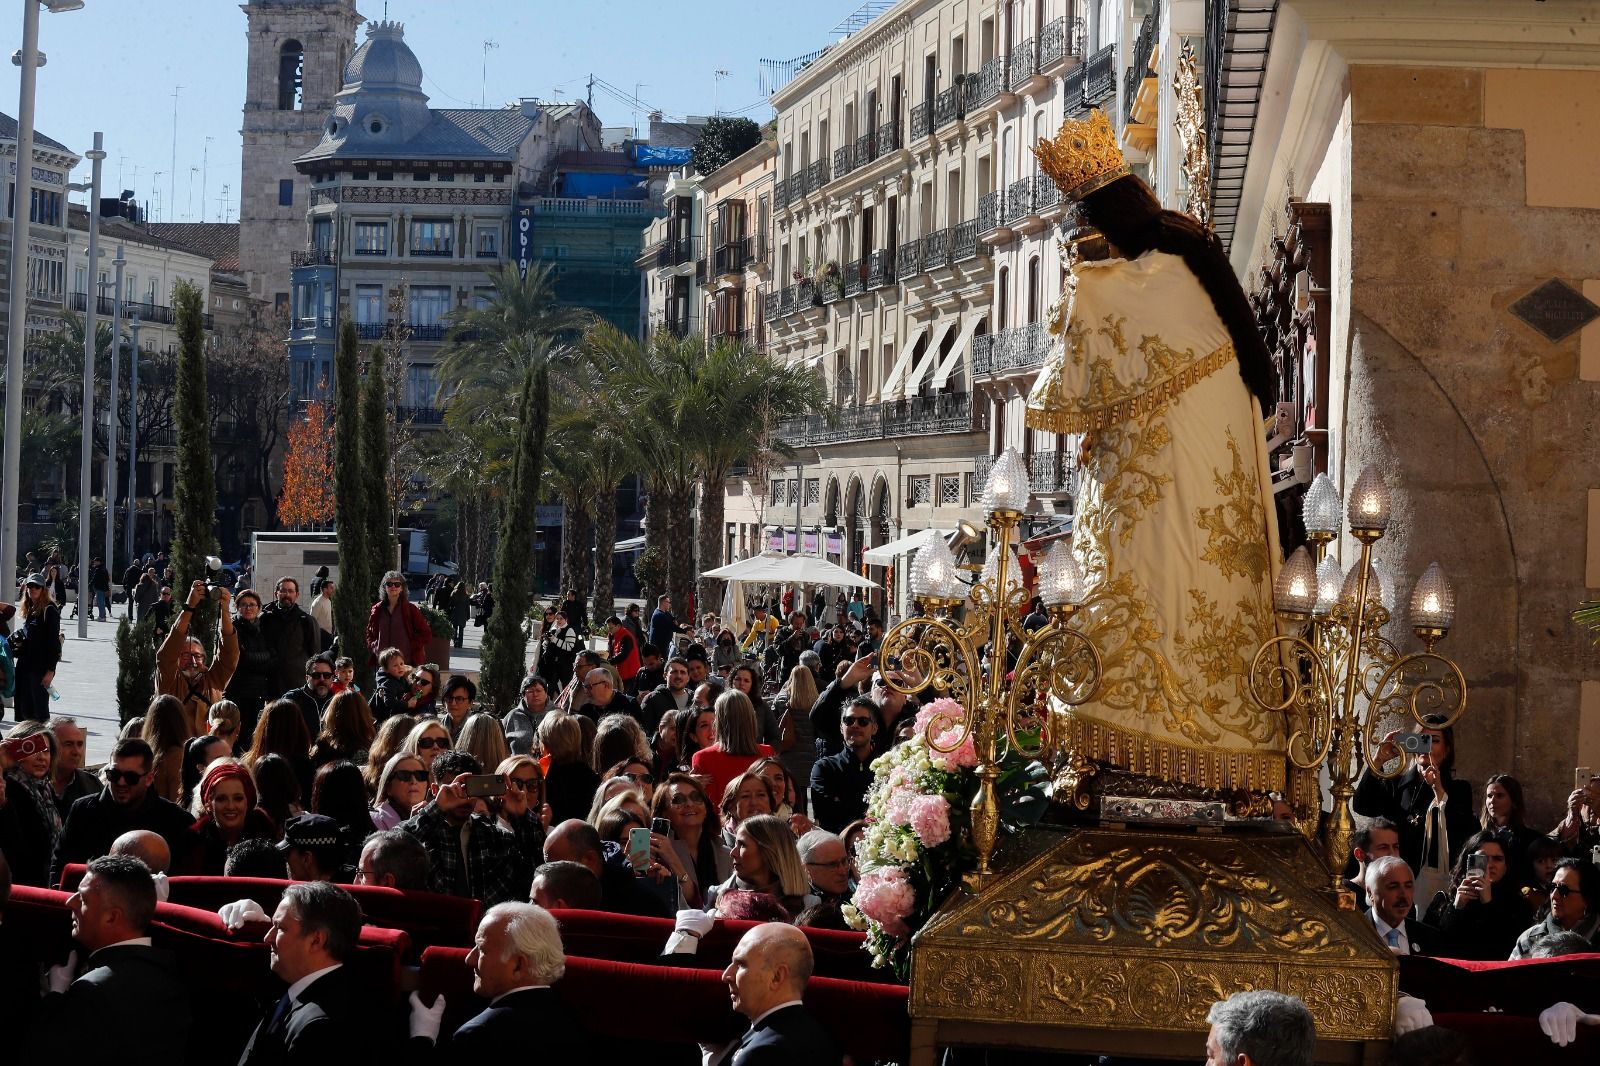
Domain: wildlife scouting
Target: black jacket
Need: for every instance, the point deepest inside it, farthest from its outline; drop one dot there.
(25, 837)
(292, 637)
(95, 821)
(502, 1032)
(309, 705)
(655, 706)
(1423, 938)
(122, 990)
(1483, 931)
(324, 1027)
(839, 786)
(1405, 800)
(256, 679)
(36, 646)
(786, 1037)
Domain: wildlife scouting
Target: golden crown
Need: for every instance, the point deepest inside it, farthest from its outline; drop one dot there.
(1083, 156)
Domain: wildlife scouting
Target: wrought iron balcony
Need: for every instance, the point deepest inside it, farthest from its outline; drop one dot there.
(964, 244)
(314, 257)
(786, 300)
(730, 258)
(844, 161)
(1020, 348)
(816, 176)
(430, 331)
(1023, 64)
(805, 294)
(1143, 45)
(771, 304)
(888, 139)
(1100, 75)
(982, 464)
(1072, 89)
(864, 151)
(991, 211)
(918, 416)
(880, 268)
(919, 120)
(854, 277)
(1019, 200)
(371, 331)
(1050, 473)
(684, 250)
(947, 107)
(936, 250)
(1046, 194)
(1053, 44)
(991, 79)
(780, 194)
(103, 305)
(908, 259)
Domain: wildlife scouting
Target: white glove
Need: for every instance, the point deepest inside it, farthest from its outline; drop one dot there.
(425, 1020)
(1560, 1023)
(163, 886)
(692, 924)
(61, 976)
(238, 914)
(1409, 1014)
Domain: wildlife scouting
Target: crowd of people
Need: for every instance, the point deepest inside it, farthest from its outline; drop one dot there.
(661, 776)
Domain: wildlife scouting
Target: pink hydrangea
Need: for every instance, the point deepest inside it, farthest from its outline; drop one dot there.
(946, 710)
(898, 809)
(964, 757)
(930, 820)
(886, 896)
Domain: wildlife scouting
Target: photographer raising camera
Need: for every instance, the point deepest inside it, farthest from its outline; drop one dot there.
(181, 668)
(1432, 809)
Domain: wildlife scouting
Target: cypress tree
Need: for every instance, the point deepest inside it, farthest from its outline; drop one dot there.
(375, 463)
(505, 641)
(357, 581)
(195, 497)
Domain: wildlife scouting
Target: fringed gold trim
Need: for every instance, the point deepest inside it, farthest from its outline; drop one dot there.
(1089, 419)
(1140, 753)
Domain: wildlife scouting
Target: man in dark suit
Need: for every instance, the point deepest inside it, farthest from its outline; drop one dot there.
(1391, 889)
(516, 957)
(318, 1020)
(125, 982)
(1381, 837)
(766, 980)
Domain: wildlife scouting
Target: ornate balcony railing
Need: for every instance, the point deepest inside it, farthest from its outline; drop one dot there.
(1019, 348)
(1049, 473)
(429, 331)
(991, 211)
(964, 241)
(919, 120)
(843, 161)
(1143, 45)
(816, 176)
(1046, 194)
(854, 278)
(917, 416)
(780, 194)
(1072, 89)
(982, 464)
(880, 268)
(772, 304)
(991, 79)
(313, 257)
(1100, 75)
(786, 300)
(939, 413)
(805, 294)
(730, 258)
(371, 331)
(947, 106)
(1023, 64)
(1053, 44)
(908, 260)
(888, 139)
(831, 286)
(936, 250)
(864, 152)
(1019, 200)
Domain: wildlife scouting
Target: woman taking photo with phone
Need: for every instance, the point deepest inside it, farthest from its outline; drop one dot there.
(1481, 915)
(1428, 805)
(704, 858)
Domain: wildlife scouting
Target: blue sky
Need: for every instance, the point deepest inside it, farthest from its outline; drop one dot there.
(113, 66)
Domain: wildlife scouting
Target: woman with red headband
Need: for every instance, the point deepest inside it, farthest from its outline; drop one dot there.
(229, 815)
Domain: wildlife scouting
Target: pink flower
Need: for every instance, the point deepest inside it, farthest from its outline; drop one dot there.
(964, 757)
(886, 896)
(948, 712)
(930, 820)
(898, 809)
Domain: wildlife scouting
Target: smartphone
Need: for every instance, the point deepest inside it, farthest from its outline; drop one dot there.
(661, 827)
(1416, 743)
(1582, 776)
(485, 786)
(1479, 862)
(639, 848)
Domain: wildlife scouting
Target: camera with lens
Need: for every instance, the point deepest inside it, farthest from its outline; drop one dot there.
(1417, 743)
(214, 585)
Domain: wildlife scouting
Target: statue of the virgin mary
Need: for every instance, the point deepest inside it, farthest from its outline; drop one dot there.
(1156, 360)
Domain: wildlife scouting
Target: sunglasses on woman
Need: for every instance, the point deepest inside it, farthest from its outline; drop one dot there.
(1561, 890)
(527, 784)
(425, 743)
(408, 777)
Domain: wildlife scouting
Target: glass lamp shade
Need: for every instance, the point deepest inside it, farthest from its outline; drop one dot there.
(1296, 590)
(1320, 508)
(1433, 601)
(1329, 582)
(991, 570)
(1380, 570)
(1352, 580)
(933, 572)
(1060, 577)
(1370, 501)
(1007, 487)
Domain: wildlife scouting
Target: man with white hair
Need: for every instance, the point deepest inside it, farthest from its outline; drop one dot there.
(516, 957)
(827, 865)
(1390, 891)
(1260, 1028)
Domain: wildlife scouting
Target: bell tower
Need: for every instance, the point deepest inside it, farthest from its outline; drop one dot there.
(296, 55)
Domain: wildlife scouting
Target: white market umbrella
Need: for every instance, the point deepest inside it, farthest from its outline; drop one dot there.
(886, 554)
(776, 568)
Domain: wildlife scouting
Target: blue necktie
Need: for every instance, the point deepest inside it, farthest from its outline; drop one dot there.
(1393, 937)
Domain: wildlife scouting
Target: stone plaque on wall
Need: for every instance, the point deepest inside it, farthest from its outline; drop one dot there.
(1556, 310)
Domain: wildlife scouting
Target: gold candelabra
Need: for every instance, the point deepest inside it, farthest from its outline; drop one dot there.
(1334, 675)
(940, 650)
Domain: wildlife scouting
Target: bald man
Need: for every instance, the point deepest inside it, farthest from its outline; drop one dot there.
(766, 980)
(151, 849)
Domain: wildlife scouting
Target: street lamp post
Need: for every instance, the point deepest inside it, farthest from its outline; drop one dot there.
(111, 413)
(133, 442)
(97, 155)
(30, 61)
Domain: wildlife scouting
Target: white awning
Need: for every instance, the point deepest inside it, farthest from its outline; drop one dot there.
(929, 357)
(631, 544)
(891, 384)
(888, 554)
(953, 360)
